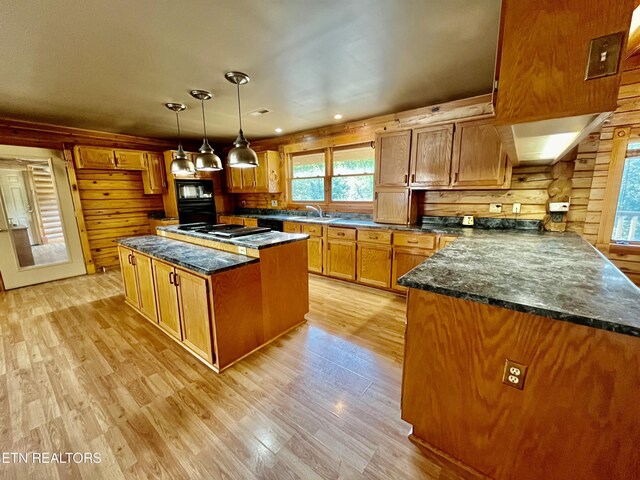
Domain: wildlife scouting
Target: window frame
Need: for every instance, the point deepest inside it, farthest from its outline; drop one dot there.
(621, 139)
(328, 203)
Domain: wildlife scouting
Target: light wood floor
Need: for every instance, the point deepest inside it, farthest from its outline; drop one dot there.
(81, 372)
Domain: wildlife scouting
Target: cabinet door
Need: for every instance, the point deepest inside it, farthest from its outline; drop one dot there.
(234, 179)
(194, 313)
(144, 276)
(315, 254)
(404, 260)
(154, 177)
(374, 264)
(91, 157)
(130, 160)
(391, 206)
(392, 158)
(248, 179)
(250, 222)
(341, 259)
(261, 174)
(478, 157)
(431, 156)
(167, 298)
(128, 270)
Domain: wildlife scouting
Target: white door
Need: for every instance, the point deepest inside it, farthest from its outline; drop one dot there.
(16, 201)
(22, 263)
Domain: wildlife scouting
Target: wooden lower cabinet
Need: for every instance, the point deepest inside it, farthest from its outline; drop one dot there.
(167, 298)
(315, 254)
(250, 222)
(374, 264)
(341, 259)
(137, 278)
(291, 227)
(404, 260)
(193, 294)
(146, 292)
(128, 271)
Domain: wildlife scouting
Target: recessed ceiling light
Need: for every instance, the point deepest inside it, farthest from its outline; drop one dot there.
(337, 116)
(278, 130)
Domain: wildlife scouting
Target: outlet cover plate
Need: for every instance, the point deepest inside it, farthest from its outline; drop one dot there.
(514, 374)
(495, 208)
(604, 56)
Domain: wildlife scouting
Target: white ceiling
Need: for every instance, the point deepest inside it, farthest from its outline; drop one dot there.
(110, 65)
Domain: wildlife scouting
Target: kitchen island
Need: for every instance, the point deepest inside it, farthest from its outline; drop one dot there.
(567, 320)
(218, 300)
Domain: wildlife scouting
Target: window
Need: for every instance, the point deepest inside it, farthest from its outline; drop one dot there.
(345, 173)
(307, 177)
(352, 179)
(626, 227)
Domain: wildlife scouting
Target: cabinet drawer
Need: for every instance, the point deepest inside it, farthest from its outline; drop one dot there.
(374, 236)
(250, 222)
(312, 230)
(342, 233)
(418, 240)
(290, 227)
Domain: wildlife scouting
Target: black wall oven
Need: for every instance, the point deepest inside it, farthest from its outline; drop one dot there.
(195, 201)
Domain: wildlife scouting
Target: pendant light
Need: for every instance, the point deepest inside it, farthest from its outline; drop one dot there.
(241, 156)
(207, 161)
(180, 162)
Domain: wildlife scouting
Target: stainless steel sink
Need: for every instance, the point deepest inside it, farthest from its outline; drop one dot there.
(312, 219)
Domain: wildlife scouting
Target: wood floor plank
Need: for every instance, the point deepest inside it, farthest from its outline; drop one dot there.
(81, 371)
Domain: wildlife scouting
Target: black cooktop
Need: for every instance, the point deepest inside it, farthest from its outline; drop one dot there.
(223, 230)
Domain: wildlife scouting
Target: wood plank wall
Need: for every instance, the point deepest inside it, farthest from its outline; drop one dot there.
(585, 162)
(114, 206)
(627, 114)
(528, 187)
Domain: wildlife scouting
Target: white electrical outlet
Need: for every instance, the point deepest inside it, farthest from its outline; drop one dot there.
(242, 250)
(274, 203)
(495, 208)
(516, 207)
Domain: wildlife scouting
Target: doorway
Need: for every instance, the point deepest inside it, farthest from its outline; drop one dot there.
(39, 237)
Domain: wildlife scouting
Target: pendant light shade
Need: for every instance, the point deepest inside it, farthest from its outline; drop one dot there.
(207, 161)
(241, 156)
(180, 162)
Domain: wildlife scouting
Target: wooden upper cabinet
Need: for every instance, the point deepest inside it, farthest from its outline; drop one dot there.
(394, 206)
(94, 157)
(393, 151)
(431, 156)
(265, 178)
(154, 179)
(543, 54)
(130, 159)
(479, 161)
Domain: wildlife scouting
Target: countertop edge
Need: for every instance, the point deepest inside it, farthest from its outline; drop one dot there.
(576, 319)
(187, 266)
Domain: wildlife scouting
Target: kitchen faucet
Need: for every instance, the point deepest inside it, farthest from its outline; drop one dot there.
(317, 209)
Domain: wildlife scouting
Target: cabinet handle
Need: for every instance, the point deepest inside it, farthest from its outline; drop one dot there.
(412, 241)
(406, 178)
(413, 178)
(133, 260)
(129, 258)
(171, 278)
(175, 280)
(373, 237)
(340, 234)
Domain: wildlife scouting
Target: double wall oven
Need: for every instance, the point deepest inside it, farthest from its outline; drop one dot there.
(195, 201)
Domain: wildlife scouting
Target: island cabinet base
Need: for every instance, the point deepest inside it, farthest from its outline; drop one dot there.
(578, 415)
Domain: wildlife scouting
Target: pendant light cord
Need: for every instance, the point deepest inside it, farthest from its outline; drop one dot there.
(239, 110)
(179, 134)
(204, 123)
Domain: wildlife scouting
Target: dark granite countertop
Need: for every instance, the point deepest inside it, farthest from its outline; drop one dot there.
(256, 242)
(555, 275)
(203, 260)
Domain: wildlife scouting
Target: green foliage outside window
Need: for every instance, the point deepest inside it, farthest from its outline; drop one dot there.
(627, 223)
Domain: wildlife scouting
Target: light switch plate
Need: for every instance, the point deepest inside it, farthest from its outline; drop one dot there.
(604, 56)
(558, 207)
(495, 208)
